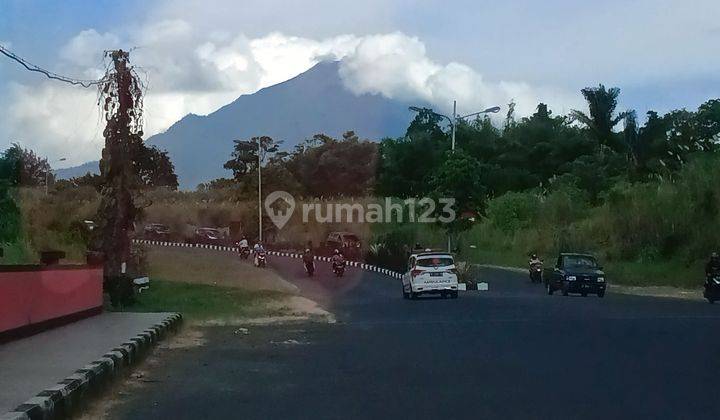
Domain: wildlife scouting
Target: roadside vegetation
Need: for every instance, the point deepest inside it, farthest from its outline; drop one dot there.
(210, 286)
(642, 194)
(202, 302)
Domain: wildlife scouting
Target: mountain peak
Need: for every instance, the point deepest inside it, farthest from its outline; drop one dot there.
(312, 102)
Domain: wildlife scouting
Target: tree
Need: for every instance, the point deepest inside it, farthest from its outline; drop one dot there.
(9, 211)
(154, 168)
(335, 168)
(601, 121)
(244, 158)
(636, 151)
(708, 124)
(460, 177)
(25, 168)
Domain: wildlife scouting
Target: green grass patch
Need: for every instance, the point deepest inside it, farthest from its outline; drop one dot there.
(666, 273)
(204, 301)
(670, 273)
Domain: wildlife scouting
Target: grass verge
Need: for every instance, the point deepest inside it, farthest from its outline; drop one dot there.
(666, 273)
(198, 302)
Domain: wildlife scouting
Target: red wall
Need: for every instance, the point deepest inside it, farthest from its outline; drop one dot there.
(35, 294)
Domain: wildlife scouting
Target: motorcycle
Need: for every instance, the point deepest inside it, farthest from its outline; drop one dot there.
(536, 273)
(309, 267)
(339, 268)
(712, 287)
(260, 260)
(244, 252)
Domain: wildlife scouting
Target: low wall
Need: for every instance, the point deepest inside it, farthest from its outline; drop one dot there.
(35, 296)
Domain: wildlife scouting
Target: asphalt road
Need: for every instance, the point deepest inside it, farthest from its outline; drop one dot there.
(512, 352)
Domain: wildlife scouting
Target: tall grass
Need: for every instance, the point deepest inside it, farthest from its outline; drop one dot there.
(653, 232)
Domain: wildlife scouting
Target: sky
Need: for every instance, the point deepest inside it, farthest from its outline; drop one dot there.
(199, 55)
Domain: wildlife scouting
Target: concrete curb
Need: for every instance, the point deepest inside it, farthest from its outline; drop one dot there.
(64, 398)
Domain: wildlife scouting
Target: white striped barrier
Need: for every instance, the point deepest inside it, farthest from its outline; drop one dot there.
(361, 265)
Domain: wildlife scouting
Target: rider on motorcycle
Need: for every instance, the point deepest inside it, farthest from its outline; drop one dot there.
(535, 261)
(713, 266)
(243, 245)
(308, 260)
(338, 258)
(308, 255)
(257, 250)
(535, 265)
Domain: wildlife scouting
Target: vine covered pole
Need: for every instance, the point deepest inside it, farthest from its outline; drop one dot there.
(121, 99)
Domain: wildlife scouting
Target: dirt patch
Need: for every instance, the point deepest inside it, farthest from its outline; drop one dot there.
(290, 309)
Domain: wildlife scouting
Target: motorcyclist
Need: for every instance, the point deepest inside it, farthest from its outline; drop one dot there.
(337, 258)
(308, 258)
(257, 250)
(535, 265)
(712, 266)
(243, 245)
(535, 261)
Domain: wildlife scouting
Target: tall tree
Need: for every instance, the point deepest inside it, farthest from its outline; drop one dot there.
(26, 168)
(244, 157)
(632, 138)
(602, 119)
(154, 168)
(9, 211)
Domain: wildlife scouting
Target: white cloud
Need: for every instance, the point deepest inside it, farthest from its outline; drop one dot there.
(56, 120)
(193, 71)
(397, 66)
(281, 57)
(85, 50)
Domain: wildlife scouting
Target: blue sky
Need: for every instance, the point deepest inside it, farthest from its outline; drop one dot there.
(198, 55)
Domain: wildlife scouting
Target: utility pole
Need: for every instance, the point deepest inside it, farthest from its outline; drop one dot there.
(259, 190)
(453, 123)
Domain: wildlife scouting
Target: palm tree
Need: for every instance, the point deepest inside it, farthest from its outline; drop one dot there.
(601, 121)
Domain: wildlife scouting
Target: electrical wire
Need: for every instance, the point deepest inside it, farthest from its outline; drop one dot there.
(32, 67)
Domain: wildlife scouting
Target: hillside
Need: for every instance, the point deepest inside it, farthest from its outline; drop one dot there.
(313, 102)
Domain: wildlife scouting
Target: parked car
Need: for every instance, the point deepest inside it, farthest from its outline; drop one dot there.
(348, 243)
(430, 273)
(208, 236)
(576, 273)
(156, 232)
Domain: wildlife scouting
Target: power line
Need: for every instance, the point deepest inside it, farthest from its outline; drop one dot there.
(32, 67)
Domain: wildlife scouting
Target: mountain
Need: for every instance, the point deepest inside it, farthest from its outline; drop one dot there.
(75, 171)
(315, 101)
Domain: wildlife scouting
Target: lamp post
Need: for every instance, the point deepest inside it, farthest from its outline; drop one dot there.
(455, 118)
(453, 124)
(47, 173)
(259, 191)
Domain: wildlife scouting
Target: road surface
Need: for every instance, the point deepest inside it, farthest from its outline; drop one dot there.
(510, 353)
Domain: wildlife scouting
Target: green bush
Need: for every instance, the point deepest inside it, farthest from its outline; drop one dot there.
(513, 211)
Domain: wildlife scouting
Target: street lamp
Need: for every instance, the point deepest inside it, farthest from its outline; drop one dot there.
(455, 118)
(47, 173)
(260, 238)
(453, 123)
